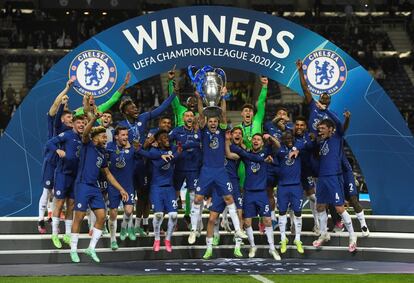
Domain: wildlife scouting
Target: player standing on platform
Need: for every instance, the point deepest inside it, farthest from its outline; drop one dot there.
(350, 188)
(253, 123)
(121, 160)
(316, 115)
(218, 204)
(255, 200)
(162, 192)
(275, 128)
(330, 181)
(179, 110)
(87, 193)
(289, 190)
(302, 138)
(232, 163)
(67, 146)
(50, 158)
(213, 174)
(187, 167)
(136, 124)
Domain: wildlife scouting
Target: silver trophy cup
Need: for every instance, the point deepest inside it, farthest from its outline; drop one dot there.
(212, 86)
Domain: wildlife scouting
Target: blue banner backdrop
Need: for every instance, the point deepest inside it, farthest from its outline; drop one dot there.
(223, 37)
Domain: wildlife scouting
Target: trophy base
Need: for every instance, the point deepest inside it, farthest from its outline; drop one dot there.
(212, 111)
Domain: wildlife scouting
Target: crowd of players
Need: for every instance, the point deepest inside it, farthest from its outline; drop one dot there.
(94, 168)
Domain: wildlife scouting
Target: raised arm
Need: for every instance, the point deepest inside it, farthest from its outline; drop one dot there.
(246, 155)
(303, 84)
(223, 108)
(58, 119)
(58, 100)
(201, 118)
(261, 102)
(85, 136)
(177, 107)
(116, 96)
(229, 154)
(157, 111)
(347, 116)
(275, 142)
(149, 154)
(338, 124)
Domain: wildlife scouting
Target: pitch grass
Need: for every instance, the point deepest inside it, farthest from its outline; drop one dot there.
(196, 278)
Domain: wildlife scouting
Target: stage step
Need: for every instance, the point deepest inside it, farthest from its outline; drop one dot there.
(188, 252)
(377, 240)
(386, 224)
(391, 239)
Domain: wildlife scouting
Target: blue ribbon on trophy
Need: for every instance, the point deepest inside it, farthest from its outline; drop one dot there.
(209, 82)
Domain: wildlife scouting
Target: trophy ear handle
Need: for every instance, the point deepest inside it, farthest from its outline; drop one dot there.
(190, 72)
(221, 72)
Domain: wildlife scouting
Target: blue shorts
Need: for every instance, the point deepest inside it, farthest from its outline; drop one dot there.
(329, 190)
(350, 188)
(163, 199)
(307, 182)
(48, 175)
(64, 186)
(114, 197)
(190, 177)
(217, 202)
(289, 194)
(271, 178)
(272, 173)
(256, 203)
(216, 178)
(88, 196)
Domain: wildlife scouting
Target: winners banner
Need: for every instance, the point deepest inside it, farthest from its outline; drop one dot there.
(221, 37)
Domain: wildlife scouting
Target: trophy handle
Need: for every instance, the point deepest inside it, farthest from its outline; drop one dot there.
(221, 72)
(195, 77)
(198, 77)
(190, 72)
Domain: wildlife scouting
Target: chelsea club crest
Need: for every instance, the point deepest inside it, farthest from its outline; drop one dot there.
(325, 71)
(93, 71)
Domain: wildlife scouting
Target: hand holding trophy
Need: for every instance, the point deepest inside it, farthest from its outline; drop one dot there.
(210, 83)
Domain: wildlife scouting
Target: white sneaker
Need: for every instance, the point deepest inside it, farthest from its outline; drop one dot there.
(365, 231)
(241, 234)
(316, 230)
(252, 252)
(192, 237)
(352, 244)
(323, 238)
(275, 254)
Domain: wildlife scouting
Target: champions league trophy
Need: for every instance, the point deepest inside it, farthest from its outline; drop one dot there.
(209, 82)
